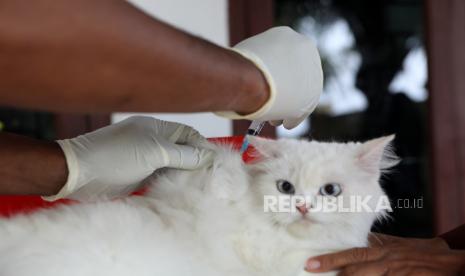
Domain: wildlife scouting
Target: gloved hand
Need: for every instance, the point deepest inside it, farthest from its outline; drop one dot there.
(291, 65)
(112, 161)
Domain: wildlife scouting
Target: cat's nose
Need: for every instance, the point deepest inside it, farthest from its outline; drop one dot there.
(302, 209)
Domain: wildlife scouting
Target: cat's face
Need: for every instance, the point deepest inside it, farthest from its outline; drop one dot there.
(314, 173)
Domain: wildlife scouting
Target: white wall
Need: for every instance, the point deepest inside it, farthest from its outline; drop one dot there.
(204, 18)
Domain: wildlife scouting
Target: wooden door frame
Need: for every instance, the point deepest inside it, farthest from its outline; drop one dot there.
(72, 125)
(445, 43)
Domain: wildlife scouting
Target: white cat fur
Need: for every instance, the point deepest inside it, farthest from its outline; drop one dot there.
(207, 222)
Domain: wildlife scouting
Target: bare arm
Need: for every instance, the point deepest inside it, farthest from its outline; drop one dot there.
(29, 166)
(105, 56)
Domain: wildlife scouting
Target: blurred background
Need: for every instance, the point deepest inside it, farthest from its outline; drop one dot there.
(390, 67)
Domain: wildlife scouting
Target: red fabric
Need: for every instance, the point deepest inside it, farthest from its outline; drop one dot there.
(11, 205)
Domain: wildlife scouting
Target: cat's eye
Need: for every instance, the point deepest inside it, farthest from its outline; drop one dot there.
(330, 189)
(285, 187)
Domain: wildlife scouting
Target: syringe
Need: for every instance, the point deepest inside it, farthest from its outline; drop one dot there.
(254, 129)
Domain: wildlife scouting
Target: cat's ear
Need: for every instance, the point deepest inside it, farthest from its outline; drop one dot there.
(265, 148)
(377, 154)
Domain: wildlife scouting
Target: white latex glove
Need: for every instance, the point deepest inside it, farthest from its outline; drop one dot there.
(291, 65)
(112, 161)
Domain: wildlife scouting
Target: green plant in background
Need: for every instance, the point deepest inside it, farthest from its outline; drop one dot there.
(2, 125)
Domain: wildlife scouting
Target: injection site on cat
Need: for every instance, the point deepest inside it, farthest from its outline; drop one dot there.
(254, 130)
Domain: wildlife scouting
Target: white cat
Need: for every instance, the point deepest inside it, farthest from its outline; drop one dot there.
(210, 221)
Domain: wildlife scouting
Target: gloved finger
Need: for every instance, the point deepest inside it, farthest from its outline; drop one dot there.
(189, 158)
(292, 123)
(187, 135)
(275, 122)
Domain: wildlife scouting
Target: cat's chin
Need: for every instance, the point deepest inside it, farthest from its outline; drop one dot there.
(300, 228)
